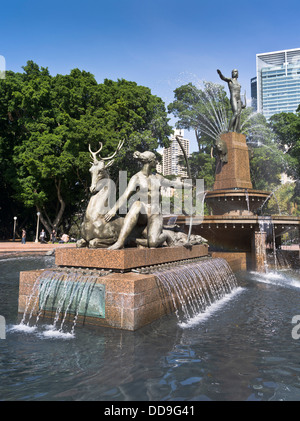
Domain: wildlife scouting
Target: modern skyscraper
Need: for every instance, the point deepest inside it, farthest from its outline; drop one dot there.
(278, 82)
(254, 93)
(172, 154)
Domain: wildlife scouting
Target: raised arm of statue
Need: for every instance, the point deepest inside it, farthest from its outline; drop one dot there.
(226, 79)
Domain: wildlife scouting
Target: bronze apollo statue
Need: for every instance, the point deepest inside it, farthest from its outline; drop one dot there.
(235, 100)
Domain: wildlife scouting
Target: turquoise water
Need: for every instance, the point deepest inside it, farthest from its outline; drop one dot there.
(241, 349)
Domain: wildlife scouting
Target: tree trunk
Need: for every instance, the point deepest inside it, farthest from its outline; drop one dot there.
(62, 205)
(45, 221)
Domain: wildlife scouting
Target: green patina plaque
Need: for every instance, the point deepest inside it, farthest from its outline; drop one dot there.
(82, 298)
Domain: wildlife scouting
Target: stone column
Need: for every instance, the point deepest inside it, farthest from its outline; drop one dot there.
(236, 172)
(259, 251)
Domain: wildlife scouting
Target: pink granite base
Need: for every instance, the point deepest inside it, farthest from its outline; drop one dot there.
(132, 300)
(125, 259)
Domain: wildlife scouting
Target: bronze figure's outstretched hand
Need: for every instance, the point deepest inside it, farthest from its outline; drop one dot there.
(110, 214)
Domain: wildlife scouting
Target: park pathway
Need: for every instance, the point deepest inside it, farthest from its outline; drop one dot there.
(16, 248)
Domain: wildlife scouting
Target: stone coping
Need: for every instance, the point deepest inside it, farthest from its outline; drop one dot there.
(126, 259)
(237, 192)
(251, 219)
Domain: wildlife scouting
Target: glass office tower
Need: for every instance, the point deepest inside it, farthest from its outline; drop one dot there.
(254, 93)
(278, 82)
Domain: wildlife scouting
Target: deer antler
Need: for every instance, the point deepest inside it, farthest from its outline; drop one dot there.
(121, 142)
(94, 154)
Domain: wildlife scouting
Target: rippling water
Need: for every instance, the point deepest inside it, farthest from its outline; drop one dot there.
(242, 349)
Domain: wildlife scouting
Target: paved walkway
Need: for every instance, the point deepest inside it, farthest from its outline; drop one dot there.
(8, 248)
(293, 247)
(16, 248)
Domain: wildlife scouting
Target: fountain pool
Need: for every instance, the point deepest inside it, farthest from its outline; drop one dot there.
(239, 349)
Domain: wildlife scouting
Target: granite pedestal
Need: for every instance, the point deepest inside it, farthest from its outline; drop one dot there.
(132, 300)
(236, 172)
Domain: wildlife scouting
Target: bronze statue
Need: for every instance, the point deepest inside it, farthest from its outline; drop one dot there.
(95, 230)
(145, 211)
(143, 223)
(235, 100)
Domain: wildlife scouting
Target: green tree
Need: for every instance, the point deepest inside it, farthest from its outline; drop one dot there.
(47, 124)
(286, 127)
(204, 111)
(267, 159)
(10, 135)
(125, 110)
(283, 201)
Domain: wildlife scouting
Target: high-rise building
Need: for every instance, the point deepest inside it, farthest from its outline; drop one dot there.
(254, 93)
(159, 167)
(278, 82)
(171, 155)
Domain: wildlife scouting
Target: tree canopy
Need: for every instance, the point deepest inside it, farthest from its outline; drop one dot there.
(286, 127)
(205, 112)
(46, 125)
(48, 122)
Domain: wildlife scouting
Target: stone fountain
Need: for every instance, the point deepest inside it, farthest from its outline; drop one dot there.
(234, 229)
(110, 278)
(129, 270)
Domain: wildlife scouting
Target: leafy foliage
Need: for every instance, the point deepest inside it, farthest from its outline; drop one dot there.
(286, 127)
(46, 125)
(204, 111)
(267, 159)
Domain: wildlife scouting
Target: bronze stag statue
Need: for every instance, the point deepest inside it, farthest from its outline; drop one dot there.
(95, 230)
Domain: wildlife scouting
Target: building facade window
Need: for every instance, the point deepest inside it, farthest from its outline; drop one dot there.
(277, 82)
(172, 156)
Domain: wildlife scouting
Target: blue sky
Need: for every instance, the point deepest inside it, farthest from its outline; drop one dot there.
(161, 44)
